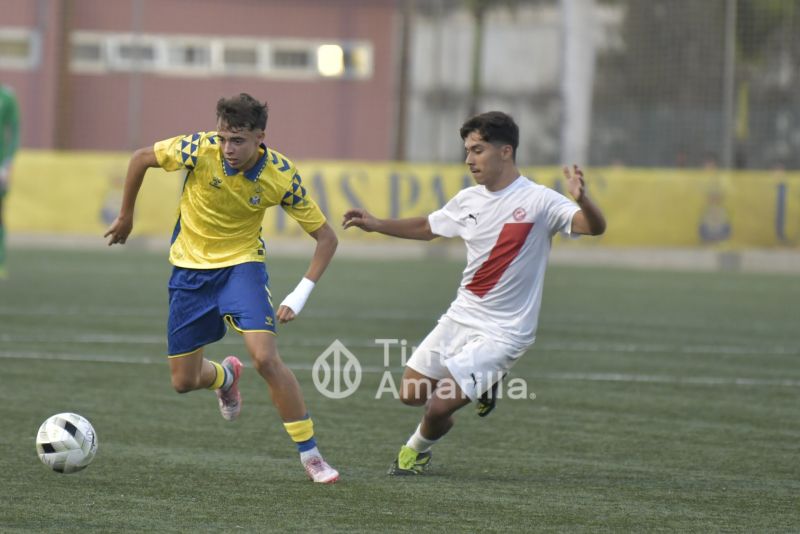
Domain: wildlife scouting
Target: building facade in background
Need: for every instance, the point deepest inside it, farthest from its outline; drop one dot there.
(675, 83)
(656, 83)
(115, 75)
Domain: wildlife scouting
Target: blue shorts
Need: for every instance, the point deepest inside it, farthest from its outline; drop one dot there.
(202, 301)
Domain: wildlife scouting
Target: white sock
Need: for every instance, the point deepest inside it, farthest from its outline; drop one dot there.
(305, 455)
(228, 381)
(419, 443)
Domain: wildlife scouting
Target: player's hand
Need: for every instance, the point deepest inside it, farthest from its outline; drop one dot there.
(285, 314)
(119, 230)
(359, 218)
(295, 301)
(575, 183)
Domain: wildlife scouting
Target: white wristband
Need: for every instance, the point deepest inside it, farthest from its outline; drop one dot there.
(297, 298)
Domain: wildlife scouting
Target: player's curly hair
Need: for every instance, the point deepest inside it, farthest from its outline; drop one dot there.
(494, 127)
(242, 112)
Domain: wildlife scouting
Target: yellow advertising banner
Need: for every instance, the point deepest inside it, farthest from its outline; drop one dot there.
(80, 193)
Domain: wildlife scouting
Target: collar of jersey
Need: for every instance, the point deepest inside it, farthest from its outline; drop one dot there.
(254, 172)
(518, 181)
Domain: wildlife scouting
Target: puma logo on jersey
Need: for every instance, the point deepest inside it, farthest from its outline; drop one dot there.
(473, 217)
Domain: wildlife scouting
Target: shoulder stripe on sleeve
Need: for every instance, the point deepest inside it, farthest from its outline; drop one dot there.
(296, 195)
(189, 149)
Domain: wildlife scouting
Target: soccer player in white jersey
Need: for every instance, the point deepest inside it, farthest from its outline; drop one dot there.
(507, 223)
(219, 278)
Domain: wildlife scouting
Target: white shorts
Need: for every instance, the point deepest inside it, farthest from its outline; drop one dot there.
(475, 360)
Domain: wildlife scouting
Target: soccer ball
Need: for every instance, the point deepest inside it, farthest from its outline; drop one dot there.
(66, 442)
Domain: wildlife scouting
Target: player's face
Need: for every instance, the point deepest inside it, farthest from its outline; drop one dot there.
(486, 161)
(239, 146)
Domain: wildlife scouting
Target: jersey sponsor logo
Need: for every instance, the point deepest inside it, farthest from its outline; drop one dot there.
(519, 214)
(507, 247)
(473, 217)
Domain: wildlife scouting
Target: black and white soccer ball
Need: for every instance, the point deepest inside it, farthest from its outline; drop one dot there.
(66, 442)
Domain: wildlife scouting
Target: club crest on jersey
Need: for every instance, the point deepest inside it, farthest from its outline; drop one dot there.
(519, 214)
(255, 200)
(215, 182)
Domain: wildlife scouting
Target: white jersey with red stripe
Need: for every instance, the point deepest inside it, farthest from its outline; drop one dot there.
(508, 234)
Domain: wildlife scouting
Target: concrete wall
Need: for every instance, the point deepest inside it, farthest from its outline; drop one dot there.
(521, 69)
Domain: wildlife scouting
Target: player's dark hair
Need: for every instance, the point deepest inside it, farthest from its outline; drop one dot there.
(242, 112)
(494, 127)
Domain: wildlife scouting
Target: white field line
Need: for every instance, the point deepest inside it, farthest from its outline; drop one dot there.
(738, 336)
(547, 346)
(552, 321)
(572, 377)
(91, 312)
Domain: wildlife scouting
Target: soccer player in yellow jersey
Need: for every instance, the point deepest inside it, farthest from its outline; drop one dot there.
(219, 277)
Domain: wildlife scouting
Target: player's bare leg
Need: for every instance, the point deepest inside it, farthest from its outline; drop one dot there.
(283, 385)
(288, 400)
(192, 371)
(416, 388)
(444, 400)
(447, 398)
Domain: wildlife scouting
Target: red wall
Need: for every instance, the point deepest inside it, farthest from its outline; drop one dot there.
(320, 118)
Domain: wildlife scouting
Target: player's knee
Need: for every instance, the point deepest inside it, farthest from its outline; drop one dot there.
(267, 363)
(415, 392)
(410, 400)
(184, 384)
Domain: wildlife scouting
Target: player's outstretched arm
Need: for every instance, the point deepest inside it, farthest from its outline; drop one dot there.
(323, 254)
(120, 229)
(589, 220)
(411, 228)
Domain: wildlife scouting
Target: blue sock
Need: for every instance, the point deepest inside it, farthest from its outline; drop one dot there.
(306, 445)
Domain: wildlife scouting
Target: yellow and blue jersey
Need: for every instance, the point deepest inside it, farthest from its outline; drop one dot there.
(221, 208)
